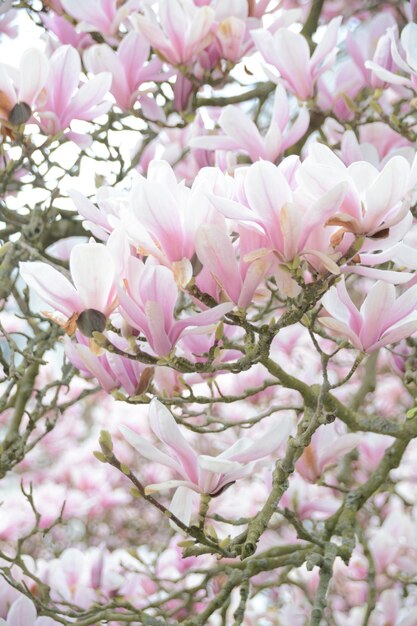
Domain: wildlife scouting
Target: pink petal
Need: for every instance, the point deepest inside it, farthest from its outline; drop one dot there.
(22, 613)
(402, 331)
(148, 450)
(206, 318)
(246, 450)
(243, 131)
(52, 287)
(293, 62)
(156, 333)
(64, 78)
(182, 505)
(267, 191)
(165, 428)
(216, 253)
(375, 312)
(253, 277)
(327, 43)
(297, 130)
(396, 278)
(102, 58)
(33, 75)
(88, 96)
(342, 329)
(133, 53)
(92, 271)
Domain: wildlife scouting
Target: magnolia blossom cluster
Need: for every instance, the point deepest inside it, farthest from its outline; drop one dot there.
(230, 237)
(230, 315)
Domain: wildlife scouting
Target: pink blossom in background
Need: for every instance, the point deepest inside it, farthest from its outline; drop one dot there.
(326, 447)
(240, 133)
(23, 613)
(7, 16)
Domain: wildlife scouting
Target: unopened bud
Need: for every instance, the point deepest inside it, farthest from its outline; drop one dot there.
(106, 443)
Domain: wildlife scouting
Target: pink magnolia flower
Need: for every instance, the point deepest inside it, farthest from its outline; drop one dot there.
(179, 32)
(7, 17)
(129, 67)
(362, 42)
(241, 133)
(19, 89)
(63, 100)
(377, 144)
(403, 55)
(344, 79)
(238, 280)
(267, 205)
(381, 320)
(309, 501)
(200, 473)
(148, 301)
(230, 36)
(289, 53)
(111, 370)
(390, 610)
(164, 215)
(105, 218)
(375, 201)
(23, 613)
(104, 16)
(65, 32)
(87, 302)
(326, 448)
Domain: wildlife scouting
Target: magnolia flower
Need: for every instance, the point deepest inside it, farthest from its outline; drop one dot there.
(404, 56)
(147, 303)
(230, 38)
(180, 31)
(289, 53)
(23, 613)
(64, 100)
(239, 281)
(127, 76)
(326, 447)
(268, 206)
(19, 90)
(390, 610)
(200, 473)
(381, 320)
(362, 42)
(164, 215)
(241, 133)
(7, 17)
(111, 370)
(104, 16)
(86, 303)
(374, 201)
